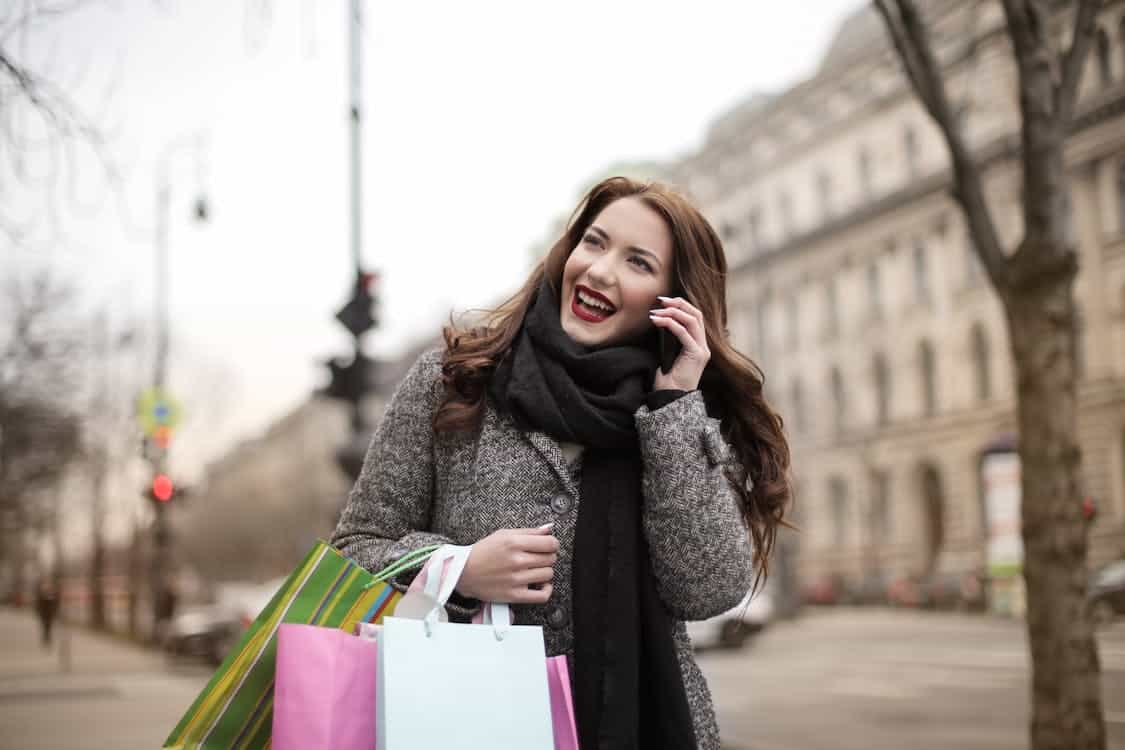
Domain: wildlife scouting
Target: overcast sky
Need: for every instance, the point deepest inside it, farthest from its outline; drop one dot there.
(483, 122)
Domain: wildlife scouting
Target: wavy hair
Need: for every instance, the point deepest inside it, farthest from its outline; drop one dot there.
(732, 384)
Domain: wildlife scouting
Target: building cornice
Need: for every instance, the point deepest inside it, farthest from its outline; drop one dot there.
(999, 150)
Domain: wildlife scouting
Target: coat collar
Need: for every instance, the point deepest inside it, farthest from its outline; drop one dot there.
(551, 452)
(546, 446)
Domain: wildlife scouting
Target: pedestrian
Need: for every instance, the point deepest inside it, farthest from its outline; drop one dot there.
(606, 497)
(46, 607)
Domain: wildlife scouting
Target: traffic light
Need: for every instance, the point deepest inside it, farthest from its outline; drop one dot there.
(359, 314)
(162, 489)
(351, 381)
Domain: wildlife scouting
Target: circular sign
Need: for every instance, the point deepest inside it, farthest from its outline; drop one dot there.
(157, 412)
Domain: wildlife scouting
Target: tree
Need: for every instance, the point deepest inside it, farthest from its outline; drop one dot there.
(42, 124)
(1035, 285)
(40, 432)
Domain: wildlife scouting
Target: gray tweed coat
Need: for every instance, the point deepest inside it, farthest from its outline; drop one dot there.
(417, 489)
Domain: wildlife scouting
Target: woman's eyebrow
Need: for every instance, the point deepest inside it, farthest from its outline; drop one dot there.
(605, 236)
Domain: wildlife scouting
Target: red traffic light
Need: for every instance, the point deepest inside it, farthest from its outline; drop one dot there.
(162, 488)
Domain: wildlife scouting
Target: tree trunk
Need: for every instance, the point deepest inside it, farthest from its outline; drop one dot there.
(97, 542)
(1066, 689)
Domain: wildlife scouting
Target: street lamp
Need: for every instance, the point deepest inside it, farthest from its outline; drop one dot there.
(158, 456)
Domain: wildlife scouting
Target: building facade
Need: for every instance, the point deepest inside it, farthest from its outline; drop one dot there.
(855, 287)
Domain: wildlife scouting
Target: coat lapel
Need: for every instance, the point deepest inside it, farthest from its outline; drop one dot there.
(552, 453)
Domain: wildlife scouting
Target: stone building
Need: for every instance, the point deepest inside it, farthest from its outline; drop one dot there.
(854, 285)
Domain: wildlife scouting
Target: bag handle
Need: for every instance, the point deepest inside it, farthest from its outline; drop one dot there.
(441, 581)
(413, 559)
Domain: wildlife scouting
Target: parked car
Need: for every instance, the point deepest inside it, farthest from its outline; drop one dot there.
(208, 632)
(204, 632)
(1106, 593)
(732, 628)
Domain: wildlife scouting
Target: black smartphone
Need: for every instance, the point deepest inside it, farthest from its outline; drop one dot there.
(670, 347)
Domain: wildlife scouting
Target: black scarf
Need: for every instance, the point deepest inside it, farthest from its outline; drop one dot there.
(628, 688)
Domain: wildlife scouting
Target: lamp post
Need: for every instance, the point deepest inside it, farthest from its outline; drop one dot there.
(162, 593)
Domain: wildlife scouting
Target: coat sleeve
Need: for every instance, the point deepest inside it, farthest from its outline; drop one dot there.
(389, 509)
(701, 550)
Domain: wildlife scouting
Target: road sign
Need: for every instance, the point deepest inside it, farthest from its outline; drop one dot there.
(157, 412)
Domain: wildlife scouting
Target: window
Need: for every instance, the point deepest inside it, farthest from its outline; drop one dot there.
(1105, 63)
(880, 510)
(981, 364)
(921, 273)
(874, 291)
(785, 206)
(1121, 40)
(928, 373)
(755, 229)
(1080, 362)
(1121, 197)
(824, 193)
(838, 507)
(831, 308)
(839, 405)
(974, 270)
(865, 177)
(910, 145)
(797, 399)
(793, 312)
(761, 332)
(1069, 235)
(882, 378)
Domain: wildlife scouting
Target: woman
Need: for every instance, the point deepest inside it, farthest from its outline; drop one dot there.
(606, 499)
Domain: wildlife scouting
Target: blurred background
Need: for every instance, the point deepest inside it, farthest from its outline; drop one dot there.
(228, 229)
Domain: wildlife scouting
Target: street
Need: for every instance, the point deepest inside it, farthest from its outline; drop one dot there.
(870, 679)
(116, 695)
(834, 679)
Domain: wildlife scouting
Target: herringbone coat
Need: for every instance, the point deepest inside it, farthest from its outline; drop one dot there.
(417, 489)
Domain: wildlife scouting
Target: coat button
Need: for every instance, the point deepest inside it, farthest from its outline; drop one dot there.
(561, 503)
(714, 447)
(556, 618)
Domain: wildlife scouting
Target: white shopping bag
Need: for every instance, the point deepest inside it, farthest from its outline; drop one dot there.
(444, 686)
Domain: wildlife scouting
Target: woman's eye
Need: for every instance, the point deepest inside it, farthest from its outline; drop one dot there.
(641, 262)
(592, 239)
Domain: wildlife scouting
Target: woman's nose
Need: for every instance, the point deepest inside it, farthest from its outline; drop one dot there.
(602, 271)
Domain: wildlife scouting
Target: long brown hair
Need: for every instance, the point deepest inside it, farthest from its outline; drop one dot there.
(732, 387)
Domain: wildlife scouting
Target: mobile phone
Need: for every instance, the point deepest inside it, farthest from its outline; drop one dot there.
(670, 347)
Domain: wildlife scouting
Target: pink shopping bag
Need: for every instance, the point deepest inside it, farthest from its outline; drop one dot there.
(324, 691)
(562, 704)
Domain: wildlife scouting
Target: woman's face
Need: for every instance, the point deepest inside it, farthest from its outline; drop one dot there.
(612, 278)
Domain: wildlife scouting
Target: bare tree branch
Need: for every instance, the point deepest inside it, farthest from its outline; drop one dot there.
(1073, 63)
(908, 32)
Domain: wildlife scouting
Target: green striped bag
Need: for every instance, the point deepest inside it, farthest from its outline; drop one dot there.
(235, 710)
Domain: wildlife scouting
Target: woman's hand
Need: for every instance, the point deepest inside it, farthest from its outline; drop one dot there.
(682, 318)
(504, 564)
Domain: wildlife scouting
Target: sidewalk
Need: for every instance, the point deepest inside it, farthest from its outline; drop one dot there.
(116, 694)
(22, 656)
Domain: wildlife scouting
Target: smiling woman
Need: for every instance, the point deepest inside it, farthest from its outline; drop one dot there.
(550, 431)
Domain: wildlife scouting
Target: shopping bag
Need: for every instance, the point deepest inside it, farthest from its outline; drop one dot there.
(558, 670)
(562, 704)
(324, 690)
(235, 709)
(443, 686)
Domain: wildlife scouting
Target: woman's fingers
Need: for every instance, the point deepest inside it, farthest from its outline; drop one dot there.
(524, 595)
(682, 333)
(692, 324)
(536, 543)
(534, 575)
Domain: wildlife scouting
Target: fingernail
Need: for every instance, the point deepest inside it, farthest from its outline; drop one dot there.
(663, 298)
(547, 526)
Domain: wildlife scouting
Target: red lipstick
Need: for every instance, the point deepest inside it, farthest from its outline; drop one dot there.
(586, 312)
